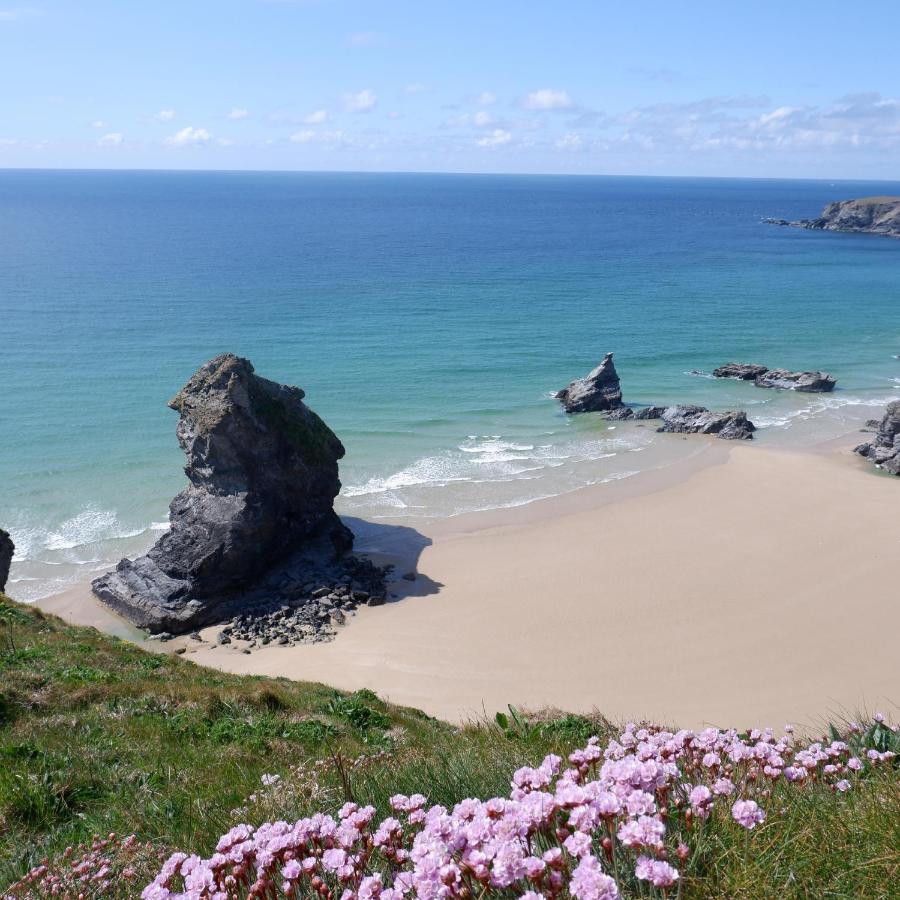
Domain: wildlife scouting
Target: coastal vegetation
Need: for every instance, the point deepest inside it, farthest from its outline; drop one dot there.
(114, 758)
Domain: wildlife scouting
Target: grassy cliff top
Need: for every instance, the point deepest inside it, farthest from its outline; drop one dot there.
(98, 736)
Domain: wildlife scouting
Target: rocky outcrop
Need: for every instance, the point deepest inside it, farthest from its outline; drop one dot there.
(808, 382)
(626, 412)
(884, 448)
(764, 377)
(256, 521)
(7, 549)
(599, 390)
(741, 371)
(649, 412)
(867, 215)
(732, 426)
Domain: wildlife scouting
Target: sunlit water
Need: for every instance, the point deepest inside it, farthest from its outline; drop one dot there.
(427, 317)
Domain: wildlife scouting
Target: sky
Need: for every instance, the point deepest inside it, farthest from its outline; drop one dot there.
(640, 87)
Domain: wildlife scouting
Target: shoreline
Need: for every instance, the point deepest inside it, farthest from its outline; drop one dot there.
(740, 583)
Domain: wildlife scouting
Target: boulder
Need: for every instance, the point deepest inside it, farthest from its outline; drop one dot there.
(599, 390)
(733, 425)
(650, 412)
(620, 414)
(7, 548)
(884, 448)
(263, 473)
(742, 371)
(809, 382)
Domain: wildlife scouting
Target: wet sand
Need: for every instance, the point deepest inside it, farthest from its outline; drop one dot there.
(743, 586)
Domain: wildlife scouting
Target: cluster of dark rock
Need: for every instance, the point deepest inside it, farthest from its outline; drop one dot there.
(601, 391)
(783, 379)
(867, 215)
(884, 449)
(6, 554)
(255, 529)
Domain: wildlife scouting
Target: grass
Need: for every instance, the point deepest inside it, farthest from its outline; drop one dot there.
(98, 736)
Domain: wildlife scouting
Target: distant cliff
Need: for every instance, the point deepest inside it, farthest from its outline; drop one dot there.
(868, 215)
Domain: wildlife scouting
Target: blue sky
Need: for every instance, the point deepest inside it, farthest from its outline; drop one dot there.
(793, 88)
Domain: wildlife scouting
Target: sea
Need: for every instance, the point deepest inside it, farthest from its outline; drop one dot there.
(429, 318)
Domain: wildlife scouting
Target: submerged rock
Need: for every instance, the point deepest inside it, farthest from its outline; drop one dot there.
(732, 425)
(809, 382)
(263, 472)
(599, 390)
(884, 448)
(742, 371)
(7, 548)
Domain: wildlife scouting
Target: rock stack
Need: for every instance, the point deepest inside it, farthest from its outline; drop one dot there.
(6, 554)
(256, 523)
(884, 449)
(730, 426)
(598, 391)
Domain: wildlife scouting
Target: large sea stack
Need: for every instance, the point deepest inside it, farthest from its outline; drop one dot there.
(884, 449)
(598, 391)
(6, 554)
(263, 472)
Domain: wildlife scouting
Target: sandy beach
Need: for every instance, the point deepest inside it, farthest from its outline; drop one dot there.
(743, 585)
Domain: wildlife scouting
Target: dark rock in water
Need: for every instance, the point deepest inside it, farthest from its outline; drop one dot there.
(733, 425)
(867, 215)
(263, 472)
(620, 414)
(809, 382)
(742, 371)
(7, 548)
(599, 390)
(884, 448)
(650, 412)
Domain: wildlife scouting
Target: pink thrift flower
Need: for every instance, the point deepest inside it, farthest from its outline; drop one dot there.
(747, 813)
(590, 883)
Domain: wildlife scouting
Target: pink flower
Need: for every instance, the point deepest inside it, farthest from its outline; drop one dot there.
(747, 813)
(590, 883)
(659, 873)
(843, 785)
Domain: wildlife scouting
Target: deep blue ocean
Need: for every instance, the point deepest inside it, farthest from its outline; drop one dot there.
(428, 318)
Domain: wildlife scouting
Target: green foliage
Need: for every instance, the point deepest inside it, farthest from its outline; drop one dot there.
(356, 709)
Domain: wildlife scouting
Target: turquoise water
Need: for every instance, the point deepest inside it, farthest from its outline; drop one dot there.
(427, 317)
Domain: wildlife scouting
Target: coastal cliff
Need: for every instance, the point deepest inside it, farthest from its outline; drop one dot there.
(866, 215)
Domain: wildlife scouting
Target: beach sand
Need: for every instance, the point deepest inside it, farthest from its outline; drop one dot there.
(744, 586)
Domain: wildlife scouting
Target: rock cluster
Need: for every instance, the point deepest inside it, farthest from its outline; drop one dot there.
(599, 390)
(626, 412)
(6, 554)
(867, 215)
(732, 425)
(742, 371)
(258, 514)
(764, 377)
(884, 449)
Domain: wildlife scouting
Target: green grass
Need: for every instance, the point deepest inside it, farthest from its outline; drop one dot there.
(98, 736)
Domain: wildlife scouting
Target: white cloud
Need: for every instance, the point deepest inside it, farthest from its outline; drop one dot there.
(362, 101)
(238, 113)
(113, 139)
(548, 98)
(165, 115)
(98, 123)
(497, 138)
(486, 98)
(316, 117)
(571, 140)
(480, 119)
(335, 138)
(189, 137)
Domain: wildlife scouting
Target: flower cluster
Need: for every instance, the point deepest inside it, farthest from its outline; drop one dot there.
(88, 870)
(618, 814)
